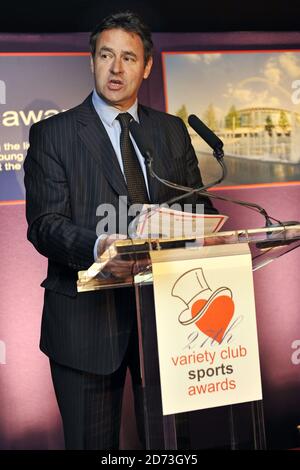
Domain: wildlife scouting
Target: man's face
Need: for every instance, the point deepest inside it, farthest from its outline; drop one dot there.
(118, 67)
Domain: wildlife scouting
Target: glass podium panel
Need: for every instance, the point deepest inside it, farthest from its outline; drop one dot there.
(266, 245)
(239, 426)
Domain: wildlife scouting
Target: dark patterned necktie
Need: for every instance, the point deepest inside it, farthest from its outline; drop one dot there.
(132, 169)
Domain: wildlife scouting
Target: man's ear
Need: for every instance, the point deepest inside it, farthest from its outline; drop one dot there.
(148, 67)
(92, 64)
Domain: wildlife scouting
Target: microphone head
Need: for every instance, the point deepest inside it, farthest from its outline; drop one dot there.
(208, 135)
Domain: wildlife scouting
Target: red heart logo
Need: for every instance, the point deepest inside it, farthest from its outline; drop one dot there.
(216, 318)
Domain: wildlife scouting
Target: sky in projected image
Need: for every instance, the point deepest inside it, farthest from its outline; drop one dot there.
(250, 99)
(222, 79)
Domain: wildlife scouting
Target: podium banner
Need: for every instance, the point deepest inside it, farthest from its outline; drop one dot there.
(206, 327)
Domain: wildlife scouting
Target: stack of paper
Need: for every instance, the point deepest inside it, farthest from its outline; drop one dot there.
(156, 221)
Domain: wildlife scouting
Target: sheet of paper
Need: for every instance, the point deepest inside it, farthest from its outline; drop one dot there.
(155, 221)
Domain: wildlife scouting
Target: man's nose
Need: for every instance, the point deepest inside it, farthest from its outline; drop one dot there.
(117, 66)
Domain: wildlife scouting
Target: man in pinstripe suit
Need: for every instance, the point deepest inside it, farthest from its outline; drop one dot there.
(73, 165)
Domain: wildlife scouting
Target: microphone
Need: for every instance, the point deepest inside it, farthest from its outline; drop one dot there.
(212, 140)
(146, 150)
(207, 134)
(216, 144)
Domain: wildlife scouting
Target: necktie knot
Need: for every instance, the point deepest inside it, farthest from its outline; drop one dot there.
(124, 119)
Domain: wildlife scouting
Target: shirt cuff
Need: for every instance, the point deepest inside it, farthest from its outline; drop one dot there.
(102, 237)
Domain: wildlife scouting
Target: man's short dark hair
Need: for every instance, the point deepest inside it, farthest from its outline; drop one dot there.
(128, 21)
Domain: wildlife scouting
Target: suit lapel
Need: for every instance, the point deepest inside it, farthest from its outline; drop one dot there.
(93, 134)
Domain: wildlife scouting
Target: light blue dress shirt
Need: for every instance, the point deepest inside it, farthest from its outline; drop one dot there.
(108, 115)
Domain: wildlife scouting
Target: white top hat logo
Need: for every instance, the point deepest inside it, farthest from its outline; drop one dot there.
(189, 288)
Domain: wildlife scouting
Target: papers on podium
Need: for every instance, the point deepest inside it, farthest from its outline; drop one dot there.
(162, 222)
(155, 222)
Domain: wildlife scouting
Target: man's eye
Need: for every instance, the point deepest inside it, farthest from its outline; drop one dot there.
(129, 59)
(104, 55)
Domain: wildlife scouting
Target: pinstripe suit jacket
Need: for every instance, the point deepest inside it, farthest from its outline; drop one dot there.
(70, 169)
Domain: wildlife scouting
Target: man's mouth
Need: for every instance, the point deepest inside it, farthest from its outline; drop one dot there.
(115, 84)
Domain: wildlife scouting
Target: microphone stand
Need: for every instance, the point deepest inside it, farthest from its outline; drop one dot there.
(202, 190)
(217, 146)
(187, 189)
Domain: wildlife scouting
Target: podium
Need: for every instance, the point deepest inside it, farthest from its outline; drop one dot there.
(234, 426)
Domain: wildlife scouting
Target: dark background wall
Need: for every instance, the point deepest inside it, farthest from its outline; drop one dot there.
(162, 16)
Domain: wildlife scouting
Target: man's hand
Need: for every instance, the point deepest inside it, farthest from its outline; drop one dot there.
(120, 268)
(117, 267)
